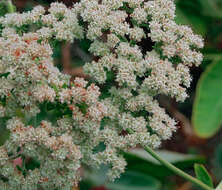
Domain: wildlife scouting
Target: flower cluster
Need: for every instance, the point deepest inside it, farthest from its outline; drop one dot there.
(139, 53)
(31, 88)
(61, 22)
(120, 31)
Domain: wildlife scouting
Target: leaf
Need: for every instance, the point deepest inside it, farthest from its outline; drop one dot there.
(207, 109)
(95, 176)
(212, 8)
(3, 9)
(188, 13)
(4, 74)
(210, 54)
(4, 135)
(135, 181)
(203, 175)
(4, 132)
(140, 160)
(196, 22)
(130, 180)
(213, 54)
(217, 162)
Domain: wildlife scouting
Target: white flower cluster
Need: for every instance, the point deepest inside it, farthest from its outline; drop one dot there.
(29, 84)
(61, 22)
(40, 143)
(29, 80)
(120, 30)
(139, 52)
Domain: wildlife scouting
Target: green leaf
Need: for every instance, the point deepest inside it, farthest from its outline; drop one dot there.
(211, 55)
(4, 135)
(197, 23)
(212, 8)
(3, 8)
(187, 13)
(203, 175)
(4, 74)
(130, 180)
(207, 110)
(95, 177)
(217, 162)
(139, 160)
(135, 181)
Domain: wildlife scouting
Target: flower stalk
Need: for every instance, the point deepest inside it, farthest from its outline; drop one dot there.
(177, 170)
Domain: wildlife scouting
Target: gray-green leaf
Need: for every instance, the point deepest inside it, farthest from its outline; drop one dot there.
(139, 160)
(135, 181)
(207, 110)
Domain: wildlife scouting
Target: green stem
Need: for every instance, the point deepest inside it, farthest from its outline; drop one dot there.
(10, 6)
(173, 168)
(177, 170)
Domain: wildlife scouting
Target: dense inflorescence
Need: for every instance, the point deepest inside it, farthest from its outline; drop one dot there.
(139, 53)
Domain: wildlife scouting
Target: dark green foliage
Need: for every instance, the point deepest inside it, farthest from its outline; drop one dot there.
(203, 175)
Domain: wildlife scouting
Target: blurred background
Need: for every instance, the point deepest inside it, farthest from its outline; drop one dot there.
(199, 138)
